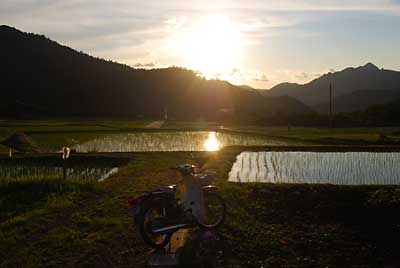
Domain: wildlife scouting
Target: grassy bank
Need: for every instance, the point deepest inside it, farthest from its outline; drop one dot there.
(355, 136)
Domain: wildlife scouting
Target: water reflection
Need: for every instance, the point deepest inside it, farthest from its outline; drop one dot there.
(211, 144)
(311, 167)
(170, 141)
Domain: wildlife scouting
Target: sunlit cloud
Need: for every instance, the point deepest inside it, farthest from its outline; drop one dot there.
(299, 76)
(175, 22)
(249, 76)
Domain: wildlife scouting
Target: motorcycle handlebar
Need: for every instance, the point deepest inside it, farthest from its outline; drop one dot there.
(206, 172)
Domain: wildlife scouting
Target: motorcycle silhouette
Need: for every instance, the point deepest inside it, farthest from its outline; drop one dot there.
(159, 213)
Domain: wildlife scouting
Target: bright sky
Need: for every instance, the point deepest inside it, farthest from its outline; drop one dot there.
(255, 42)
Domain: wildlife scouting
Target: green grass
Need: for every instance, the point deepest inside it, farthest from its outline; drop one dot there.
(198, 125)
(57, 140)
(326, 135)
(21, 195)
(34, 223)
(8, 127)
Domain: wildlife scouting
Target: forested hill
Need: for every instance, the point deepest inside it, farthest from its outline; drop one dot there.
(384, 114)
(43, 78)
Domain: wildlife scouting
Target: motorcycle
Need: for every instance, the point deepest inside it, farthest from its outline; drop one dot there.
(159, 213)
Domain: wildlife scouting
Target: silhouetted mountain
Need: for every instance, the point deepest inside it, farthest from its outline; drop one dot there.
(350, 80)
(359, 100)
(247, 87)
(41, 76)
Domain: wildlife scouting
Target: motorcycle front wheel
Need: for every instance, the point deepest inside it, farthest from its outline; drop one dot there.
(152, 217)
(214, 211)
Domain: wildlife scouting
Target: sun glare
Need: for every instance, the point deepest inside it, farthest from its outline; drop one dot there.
(211, 144)
(211, 46)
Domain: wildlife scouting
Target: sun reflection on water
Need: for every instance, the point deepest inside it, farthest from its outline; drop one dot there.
(211, 144)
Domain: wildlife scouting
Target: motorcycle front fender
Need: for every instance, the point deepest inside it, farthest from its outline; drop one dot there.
(210, 189)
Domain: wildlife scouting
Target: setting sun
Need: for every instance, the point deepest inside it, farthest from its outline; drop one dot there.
(211, 45)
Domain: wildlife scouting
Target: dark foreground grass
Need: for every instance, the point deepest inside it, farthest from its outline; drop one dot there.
(24, 195)
(86, 226)
(309, 226)
(267, 225)
(287, 225)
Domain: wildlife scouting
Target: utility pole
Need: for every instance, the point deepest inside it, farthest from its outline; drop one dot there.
(330, 106)
(165, 113)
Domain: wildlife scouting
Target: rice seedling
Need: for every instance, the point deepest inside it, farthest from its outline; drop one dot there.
(170, 141)
(350, 168)
(11, 173)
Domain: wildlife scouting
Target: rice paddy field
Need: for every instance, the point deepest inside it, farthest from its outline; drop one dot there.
(287, 192)
(52, 133)
(343, 168)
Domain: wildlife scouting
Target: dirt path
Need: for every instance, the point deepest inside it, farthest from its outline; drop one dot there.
(155, 124)
(178, 240)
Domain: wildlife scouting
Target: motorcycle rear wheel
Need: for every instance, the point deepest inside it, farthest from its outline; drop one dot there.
(156, 241)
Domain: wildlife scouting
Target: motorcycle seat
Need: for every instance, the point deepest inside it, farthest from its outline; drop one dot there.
(173, 187)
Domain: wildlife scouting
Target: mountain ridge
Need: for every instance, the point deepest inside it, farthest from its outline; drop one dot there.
(39, 72)
(316, 92)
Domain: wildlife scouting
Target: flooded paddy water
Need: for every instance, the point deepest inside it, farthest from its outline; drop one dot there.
(344, 168)
(169, 141)
(161, 141)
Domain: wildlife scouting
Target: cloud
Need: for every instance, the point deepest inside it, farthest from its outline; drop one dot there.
(272, 5)
(175, 22)
(248, 76)
(145, 65)
(261, 77)
(304, 76)
(292, 76)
